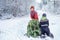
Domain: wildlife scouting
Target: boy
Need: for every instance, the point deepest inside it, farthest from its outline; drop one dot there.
(44, 25)
(33, 13)
(33, 25)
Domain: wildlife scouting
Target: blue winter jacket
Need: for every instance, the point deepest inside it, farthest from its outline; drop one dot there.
(44, 23)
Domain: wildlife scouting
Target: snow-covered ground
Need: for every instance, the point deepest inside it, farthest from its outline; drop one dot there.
(14, 29)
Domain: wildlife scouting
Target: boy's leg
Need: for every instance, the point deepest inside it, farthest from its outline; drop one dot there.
(47, 31)
(49, 34)
(42, 34)
(42, 31)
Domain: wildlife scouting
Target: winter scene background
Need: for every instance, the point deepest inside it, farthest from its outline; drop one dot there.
(15, 15)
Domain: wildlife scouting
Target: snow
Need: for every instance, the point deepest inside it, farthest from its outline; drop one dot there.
(11, 28)
(38, 1)
(15, 28)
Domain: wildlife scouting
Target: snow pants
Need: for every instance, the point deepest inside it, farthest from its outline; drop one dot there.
(45, 30)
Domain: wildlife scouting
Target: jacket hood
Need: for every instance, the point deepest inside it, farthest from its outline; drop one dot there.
(43, 18)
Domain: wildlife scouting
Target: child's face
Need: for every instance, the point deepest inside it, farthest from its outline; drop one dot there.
(32, 9)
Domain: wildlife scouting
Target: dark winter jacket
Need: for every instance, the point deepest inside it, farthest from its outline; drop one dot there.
(44, 23)
(34, 15)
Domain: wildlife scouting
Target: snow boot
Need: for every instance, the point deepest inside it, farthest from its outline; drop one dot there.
(51, 35)
(42, 36)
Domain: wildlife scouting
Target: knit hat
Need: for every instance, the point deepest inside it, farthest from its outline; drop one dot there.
(44, 15)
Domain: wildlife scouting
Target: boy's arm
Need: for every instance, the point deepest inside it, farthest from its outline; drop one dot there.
(48, 22)
(36, 16)
(39, 24)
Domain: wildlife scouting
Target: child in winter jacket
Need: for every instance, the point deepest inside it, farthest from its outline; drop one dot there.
(33, 29)
(44, 25)
(33, 13)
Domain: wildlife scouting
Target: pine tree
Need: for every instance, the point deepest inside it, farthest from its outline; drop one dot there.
(33, 28)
